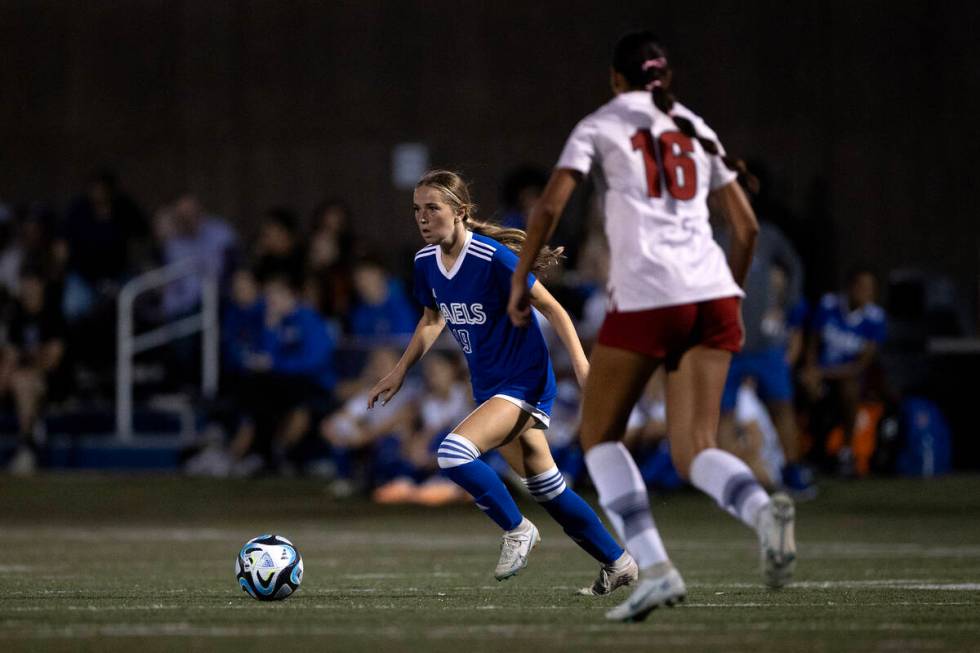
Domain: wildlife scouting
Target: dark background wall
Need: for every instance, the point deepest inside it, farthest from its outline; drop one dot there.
(864, 112)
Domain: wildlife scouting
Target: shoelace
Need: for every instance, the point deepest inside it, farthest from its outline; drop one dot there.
(511, 546)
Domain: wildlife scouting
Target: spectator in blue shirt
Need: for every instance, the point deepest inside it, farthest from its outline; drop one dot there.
(383, 308)
(286, 377)
(848, 329)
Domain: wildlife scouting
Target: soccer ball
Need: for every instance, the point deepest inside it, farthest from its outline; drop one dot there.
(269, 568)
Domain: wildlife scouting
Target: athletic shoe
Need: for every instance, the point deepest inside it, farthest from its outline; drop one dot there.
(658, 585)
(798, 482)
(777, 544)
(618, 574)
(514, 549)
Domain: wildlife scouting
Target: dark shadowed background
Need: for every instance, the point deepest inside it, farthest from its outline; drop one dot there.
(864, 113)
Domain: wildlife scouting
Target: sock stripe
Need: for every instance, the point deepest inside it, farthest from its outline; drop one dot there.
(459, 440)
(449, 447)
(546, 486)
(634, 511)
(456, 450)
(737, 490)
(544, 481)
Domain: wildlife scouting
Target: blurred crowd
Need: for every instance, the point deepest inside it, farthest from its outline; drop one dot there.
(310, 319)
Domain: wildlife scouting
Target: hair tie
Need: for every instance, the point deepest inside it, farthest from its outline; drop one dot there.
(658, 63)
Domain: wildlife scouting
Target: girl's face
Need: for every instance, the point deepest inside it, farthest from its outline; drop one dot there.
(436, 219)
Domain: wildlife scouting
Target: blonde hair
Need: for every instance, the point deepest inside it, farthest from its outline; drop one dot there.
(457, 195)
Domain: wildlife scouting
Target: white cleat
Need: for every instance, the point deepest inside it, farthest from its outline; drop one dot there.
(620, 573)
(777, 543)
(514, 549)
(658, 585)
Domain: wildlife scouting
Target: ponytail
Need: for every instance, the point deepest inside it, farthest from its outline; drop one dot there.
(664, 100)
(513, 239)
(641, 59)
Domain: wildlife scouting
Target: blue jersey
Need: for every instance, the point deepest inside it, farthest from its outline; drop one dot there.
(472, 297)
(844, 334)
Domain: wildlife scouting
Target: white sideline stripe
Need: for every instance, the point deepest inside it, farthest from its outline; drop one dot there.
(184, 629)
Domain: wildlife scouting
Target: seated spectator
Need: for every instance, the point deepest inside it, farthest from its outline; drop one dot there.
(101, 229)
(32, 364)
(383, 308)
(408, 470)
(188, 232)
(329, 258)
(278, 249)
(353, 431)
(847, 330)
(241, 323)
(285, 378)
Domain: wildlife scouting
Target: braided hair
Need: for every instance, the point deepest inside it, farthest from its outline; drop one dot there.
(642, 61)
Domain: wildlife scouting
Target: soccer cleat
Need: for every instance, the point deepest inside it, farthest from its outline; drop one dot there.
(618, 574)
(777, 544)
(514, 549)
(658, 585)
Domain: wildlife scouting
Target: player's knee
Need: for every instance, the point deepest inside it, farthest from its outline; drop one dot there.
(455, 450)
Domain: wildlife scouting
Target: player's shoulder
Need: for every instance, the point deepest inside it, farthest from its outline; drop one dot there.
(484, 247)
(425, 254)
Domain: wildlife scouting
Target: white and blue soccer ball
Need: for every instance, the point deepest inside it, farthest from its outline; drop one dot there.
(269, 568)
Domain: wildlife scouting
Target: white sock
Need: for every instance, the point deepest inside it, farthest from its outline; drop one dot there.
(623, 496)
(730, 482)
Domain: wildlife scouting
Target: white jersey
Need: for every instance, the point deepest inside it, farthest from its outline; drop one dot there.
(654, 183)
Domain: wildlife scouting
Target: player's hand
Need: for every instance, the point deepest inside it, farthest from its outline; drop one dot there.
(519, 305)
(386, 388)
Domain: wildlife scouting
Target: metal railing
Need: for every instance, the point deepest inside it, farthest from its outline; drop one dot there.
(128, 344)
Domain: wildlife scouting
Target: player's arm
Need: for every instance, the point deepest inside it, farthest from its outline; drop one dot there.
(540, 227)
(426, 333)
(731, 202)
(558, 317)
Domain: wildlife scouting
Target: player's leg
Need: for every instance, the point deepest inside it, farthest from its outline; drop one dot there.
(693, 404)
(616, 381)
(530, 456)
(493, 423)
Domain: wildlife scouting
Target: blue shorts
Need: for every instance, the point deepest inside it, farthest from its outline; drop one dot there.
(770, 371)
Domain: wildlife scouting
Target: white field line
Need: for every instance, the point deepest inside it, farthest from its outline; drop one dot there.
(185, 629)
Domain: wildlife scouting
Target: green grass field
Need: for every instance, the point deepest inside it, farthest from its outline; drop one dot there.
(105, 563)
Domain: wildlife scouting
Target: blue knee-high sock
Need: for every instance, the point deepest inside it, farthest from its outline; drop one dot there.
(459, 460)
(575, 516)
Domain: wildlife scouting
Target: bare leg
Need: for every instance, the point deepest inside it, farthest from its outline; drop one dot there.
(694, 404)
(616, 381)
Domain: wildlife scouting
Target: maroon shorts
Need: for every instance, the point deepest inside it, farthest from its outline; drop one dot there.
(667, 333)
